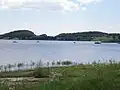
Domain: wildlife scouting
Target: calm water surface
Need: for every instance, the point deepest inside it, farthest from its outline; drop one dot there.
(27, 50)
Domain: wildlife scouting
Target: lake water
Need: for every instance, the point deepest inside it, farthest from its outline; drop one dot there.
(27, 50)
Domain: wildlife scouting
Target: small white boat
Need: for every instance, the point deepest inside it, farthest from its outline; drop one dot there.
(98, 42)
(37, 41)
(15, 42)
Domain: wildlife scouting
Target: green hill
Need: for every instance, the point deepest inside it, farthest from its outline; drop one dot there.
(79, 36)
(19, 34)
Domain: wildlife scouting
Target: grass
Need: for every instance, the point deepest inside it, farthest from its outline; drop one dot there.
(79, 77)
(16, 74)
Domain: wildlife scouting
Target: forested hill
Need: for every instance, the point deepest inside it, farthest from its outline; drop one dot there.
(79, 36)
(19, 34)
(83, 36)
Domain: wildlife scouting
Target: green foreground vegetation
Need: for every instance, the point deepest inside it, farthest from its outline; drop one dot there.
(95, 76)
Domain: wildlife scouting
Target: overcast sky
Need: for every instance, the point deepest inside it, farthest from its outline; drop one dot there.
(55, 16)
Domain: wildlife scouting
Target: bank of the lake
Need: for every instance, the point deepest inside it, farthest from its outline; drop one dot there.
(95, 76)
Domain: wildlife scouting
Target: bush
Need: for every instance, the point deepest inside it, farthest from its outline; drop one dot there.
(66, 63)
(40, 73)
(58, 63)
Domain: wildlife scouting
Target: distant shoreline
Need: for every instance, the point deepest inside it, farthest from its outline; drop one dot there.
(79, 36)
(59, 40)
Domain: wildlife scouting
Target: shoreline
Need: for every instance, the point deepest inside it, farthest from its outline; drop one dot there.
(61, 40)
(64, 76)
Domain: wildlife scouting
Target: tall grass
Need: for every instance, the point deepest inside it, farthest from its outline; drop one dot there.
(94, 76)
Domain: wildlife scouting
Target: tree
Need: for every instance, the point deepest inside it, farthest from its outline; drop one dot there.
(48, 64)
(59, 62)
(114, 37)
(32, 64)
(39, 64)
(66, 63)
(5, 68)
(14, 66)
(19, 65)
(53, 63)
(1, 68)
(9, 67)
(119, 37)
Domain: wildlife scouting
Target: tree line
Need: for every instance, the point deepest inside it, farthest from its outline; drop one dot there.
(79, 36)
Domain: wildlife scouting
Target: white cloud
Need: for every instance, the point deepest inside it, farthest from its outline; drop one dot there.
(66, 5)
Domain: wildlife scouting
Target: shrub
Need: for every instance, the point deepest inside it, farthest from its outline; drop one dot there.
(58, 63)
(40, 73)
(66, 63)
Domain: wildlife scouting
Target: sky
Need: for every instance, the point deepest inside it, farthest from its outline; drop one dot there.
(52, 17)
